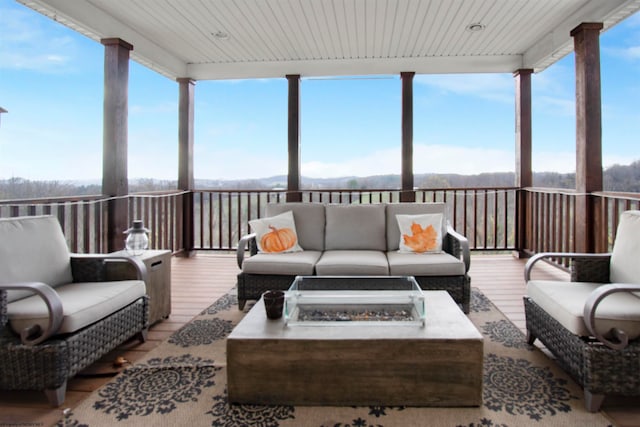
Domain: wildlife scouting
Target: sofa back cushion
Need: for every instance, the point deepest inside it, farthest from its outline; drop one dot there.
(33, 249)
(309, 219)
(624, 267)
(393, 209)
(356, 227)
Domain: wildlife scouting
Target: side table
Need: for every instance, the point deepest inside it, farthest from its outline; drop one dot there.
(158, 263)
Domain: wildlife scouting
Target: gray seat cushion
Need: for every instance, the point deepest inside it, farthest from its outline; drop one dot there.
(432, 264)
(290, 263)
(355, 227)
(352, 263)
(83, 304)
(565, 301)
(309, 219)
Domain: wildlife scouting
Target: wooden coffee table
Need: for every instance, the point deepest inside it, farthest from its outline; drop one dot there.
(439, 364)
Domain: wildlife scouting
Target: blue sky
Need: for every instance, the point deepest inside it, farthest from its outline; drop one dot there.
(51, 82)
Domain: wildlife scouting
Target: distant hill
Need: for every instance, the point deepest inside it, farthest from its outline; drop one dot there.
(625, 178)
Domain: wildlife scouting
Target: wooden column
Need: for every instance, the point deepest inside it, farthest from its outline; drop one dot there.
(293, 183)
(407, 193)
(185, 160)
(524, 173)
(586, 39)
(115, 122)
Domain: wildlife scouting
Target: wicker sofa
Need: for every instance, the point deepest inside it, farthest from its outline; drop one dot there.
(591, 324)
(60, 312)
(354, 240)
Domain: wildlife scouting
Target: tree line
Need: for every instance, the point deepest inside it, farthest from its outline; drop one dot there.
(624, 178)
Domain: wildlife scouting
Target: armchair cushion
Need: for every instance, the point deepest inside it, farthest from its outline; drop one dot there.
(83, 303)
(565, 301)
(625, 267)
(48, 259)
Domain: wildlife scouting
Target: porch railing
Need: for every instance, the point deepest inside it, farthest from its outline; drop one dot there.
(551, 219)
(84, 219)
(488, 217)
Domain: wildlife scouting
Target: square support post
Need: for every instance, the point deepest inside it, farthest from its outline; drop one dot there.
(524, 173)
(293, 182)
(115, 143)
(407, 193)
(588, 135)
(185, 161)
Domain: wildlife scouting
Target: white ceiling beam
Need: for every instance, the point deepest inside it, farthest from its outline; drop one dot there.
(359, 67)
(558, 43)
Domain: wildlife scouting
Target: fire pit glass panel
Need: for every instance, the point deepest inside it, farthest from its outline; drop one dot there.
(349, 300)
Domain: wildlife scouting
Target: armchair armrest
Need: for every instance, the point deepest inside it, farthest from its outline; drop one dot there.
(246, 241)
(96, 267)
(528, 268)
(458, 247)
(619, 337)
(34, 334)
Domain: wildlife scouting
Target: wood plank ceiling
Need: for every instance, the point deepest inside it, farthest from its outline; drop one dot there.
(207, 39)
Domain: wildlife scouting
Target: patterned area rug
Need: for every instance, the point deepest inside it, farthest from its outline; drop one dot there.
(183, 383)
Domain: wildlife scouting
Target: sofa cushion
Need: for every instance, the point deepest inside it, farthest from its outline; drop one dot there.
(355, 227)
(431, 264)
(392, 209)
(624, 267)
(420, 233)
(309, 219)
(276, 234)
(352, 263)
(290, 263)
(33, 249)
(565, 301)
(83, 303)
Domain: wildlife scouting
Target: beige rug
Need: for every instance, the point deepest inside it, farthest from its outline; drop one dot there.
(183, 383)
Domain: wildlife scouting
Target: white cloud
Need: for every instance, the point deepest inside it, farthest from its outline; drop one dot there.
(494, 87)
(557, 161)
(427, 159)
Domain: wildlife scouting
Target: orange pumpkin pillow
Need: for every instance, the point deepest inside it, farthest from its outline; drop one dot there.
(276, 234)
(420, 233)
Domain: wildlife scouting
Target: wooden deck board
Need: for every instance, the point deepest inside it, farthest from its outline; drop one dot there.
(200, 280)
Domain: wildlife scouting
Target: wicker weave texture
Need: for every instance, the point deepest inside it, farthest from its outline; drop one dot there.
(590, 269)
(49, 365)
(3, 309)
(451, 245)
(597, 368)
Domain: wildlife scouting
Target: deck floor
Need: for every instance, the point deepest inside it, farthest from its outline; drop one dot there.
(200, 280)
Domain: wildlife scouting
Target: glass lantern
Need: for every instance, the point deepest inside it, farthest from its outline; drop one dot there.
(137, 240)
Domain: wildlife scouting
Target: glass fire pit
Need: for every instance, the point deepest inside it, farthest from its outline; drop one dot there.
(349, 300)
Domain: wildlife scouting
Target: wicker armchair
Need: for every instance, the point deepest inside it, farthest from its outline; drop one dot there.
(592, 324)
(60, 312)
